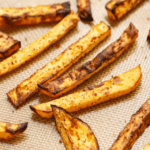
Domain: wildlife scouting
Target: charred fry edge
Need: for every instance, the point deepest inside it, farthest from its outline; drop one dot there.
(7, 20)
(91, 67)
(148, 38)
(22, 127)
(47, 112)
(15, 47)
(85, 13)
(112, 12)
(143, 114)
(54, 107)
(19, 99)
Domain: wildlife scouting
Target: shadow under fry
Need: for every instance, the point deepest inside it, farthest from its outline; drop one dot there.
(39, 119)
(16, 29)
(16, 140)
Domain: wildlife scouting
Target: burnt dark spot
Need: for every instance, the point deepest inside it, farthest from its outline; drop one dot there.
(131, 31)
(20, 129)
(117, 80)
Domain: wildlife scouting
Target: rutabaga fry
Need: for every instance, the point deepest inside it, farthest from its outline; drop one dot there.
(60, 64)
(147, 146)
(76, 134)
(70, 80)
(117, 86)
(8, 130)
(134, 129)
(84, 10)
(117, 9)
(8, 45)
(33, 15)
(39, 45)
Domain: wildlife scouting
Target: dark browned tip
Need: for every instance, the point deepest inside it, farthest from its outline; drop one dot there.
(16, 105)
(23, 127)
(66, 4)
(148, 38)
(132, 27)
(86, 18)
(40, 86)
(32, 108)
(66, 9)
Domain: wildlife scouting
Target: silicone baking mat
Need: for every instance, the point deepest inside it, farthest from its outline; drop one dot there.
(106, 119)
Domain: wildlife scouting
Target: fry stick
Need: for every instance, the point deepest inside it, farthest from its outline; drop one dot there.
(60, 64)
(108, 90)
(33, 15)
(70, 80)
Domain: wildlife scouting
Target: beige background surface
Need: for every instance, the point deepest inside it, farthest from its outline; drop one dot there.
(106, 119)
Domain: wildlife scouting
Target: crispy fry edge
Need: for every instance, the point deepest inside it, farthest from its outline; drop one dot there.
(47, 113)
(112, 11)
(54, 107)
(54, 89)
(139, 122)
(8, 20)
(22, 127)
(85, 13)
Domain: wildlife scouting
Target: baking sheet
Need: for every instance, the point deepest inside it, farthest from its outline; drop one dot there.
(106, 119)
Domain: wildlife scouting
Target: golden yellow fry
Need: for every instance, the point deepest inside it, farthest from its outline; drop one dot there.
(39, 45)
(33, 15)
(117, 86)
(76, 134)
(84, 10)
(8, 45)
(60, 64)
(134, 129)
(8, 130)
(147, 146)
(72, 79)
(117, 9)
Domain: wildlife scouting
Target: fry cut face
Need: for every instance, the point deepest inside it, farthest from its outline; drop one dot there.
(8, 130)
(134, 129)
(76, 134)
(70, 80)
(39, 45)
(116, 9)
(33, 15)
(60, 64)
(147, 146)
(117, 86)
(84, 10)
(8, 45)
(148, 38)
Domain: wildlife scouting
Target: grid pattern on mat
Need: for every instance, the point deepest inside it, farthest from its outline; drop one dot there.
(106, 119)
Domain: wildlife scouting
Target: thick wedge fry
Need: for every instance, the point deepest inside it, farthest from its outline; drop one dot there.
(148, 38)
(84, 10)
(76, 134)
(33, 15)
(134, 129)
(117, 9)
(108, 90)
(39, 45)
(147, 146)
(60, 64)
(8, 130)
(8, 45)
(70, 80)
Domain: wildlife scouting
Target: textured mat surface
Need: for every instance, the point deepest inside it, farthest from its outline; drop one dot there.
(106, 119)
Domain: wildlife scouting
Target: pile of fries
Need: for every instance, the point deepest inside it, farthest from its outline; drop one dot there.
(53, 81)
